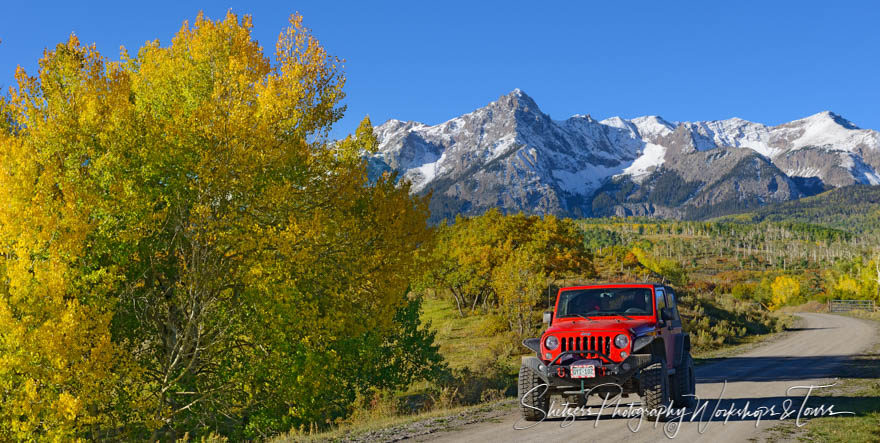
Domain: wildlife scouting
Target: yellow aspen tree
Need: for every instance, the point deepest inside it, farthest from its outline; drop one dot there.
(184, 249)
(784, 289)
(59, 369)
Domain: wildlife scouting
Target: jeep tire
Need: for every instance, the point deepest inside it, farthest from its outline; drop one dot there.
(654, 383)
(534, 399)
(685, 383)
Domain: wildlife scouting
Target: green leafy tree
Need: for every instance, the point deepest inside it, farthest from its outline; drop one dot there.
(520, 283)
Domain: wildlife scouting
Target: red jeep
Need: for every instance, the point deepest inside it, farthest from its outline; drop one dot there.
(628, 335)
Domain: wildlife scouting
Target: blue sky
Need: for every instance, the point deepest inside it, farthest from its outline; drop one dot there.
(766, 61)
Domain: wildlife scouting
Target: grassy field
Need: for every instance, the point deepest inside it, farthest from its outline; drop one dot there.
(470, 341)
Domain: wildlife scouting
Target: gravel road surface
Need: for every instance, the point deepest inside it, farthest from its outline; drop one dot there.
(814, 355)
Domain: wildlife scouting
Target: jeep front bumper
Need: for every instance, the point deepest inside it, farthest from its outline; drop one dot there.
(557, 376)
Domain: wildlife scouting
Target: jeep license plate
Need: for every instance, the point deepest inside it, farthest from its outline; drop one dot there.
(585, 371)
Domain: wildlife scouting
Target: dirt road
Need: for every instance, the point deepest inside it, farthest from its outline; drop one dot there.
(815, 355)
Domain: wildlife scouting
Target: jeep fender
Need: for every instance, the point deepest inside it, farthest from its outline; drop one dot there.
(533, 344)
(682, 347)
(536, 365)
(654, 347)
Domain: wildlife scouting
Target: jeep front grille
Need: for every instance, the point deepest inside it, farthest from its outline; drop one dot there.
(586, 344)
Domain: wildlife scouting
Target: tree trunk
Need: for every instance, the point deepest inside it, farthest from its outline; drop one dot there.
(457, 302)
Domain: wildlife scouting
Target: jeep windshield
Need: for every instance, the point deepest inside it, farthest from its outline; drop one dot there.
(588, 303)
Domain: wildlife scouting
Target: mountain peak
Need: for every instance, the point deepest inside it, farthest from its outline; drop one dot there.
(517, 92)
(653, 125)
(520, 100)
(652, 118)
(840, 120)
(829, 116)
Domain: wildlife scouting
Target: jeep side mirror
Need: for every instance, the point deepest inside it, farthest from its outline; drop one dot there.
(666, 314)
(548, 317)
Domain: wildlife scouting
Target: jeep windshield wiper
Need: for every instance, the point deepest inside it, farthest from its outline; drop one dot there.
(586, 315)
(589, 315)
(583, 316)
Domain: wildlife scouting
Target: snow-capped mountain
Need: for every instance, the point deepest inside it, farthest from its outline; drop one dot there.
(510, 155)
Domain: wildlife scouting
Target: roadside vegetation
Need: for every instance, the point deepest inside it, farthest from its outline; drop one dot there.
(184, 253)
(736, 283)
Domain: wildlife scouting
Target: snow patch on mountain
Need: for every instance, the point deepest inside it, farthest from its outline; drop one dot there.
(862, 172)
(582, 181)
(736, 133)
(652, 126)
(829, 129)
(424, 174)
(803, 172)
(651, 158)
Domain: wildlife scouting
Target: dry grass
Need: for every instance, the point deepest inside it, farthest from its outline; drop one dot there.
(394, 428)
(810, 306)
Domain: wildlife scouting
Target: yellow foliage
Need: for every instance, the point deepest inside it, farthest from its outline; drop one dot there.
(58, 366)
(784, 289)
(177, 229)
(495, 258)
(665, 268)
(519, 282)
(847, 285)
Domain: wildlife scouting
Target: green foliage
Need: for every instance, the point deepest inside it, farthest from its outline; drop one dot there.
(743, 291)
(714, 321)
(852, 209)
(670, 189)
(395, 358)
(596, 238)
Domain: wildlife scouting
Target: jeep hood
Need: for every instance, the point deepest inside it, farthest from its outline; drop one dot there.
(568, 325)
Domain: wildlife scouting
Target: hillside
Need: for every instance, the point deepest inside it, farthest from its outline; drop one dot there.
(855, 209)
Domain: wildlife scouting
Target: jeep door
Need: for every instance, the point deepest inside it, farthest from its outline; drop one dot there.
(666, 328)
(675, 325)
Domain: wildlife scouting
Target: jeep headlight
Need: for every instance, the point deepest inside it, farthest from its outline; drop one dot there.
(621, 341)
(551, 342)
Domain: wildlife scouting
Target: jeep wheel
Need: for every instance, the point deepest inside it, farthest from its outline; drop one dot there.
(655, 386)
(685, 383)
(534, 399)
